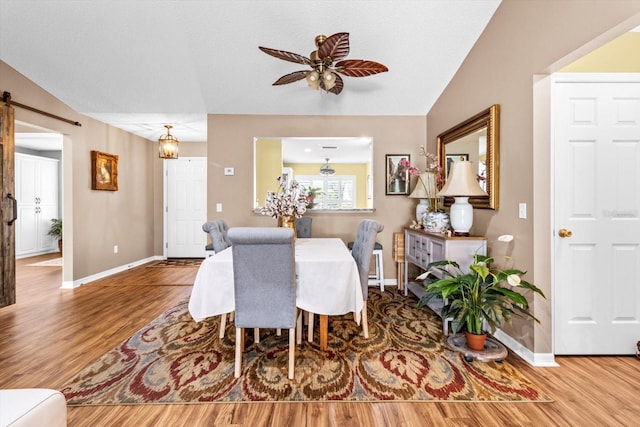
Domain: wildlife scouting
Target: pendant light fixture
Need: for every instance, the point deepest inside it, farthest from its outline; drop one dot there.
(168, 145)
(326, 170)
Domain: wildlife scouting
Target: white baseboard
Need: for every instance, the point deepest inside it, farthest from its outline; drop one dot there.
(83, 281)
(533, 359)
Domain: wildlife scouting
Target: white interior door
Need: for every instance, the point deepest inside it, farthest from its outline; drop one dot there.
(185, 208)
(596, 277)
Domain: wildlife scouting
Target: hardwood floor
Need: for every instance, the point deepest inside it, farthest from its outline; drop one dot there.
(51, 333)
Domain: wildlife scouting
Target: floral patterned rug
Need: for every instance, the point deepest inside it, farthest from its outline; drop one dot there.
(176, 360)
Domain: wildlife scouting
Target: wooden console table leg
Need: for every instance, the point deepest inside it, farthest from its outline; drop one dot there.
(324, 331)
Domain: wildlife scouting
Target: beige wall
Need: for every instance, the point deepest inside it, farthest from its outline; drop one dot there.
(391, 135)
(523, 40)
(95, 221)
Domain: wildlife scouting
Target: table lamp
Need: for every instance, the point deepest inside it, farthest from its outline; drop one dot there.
(425, 190)
(461, 184)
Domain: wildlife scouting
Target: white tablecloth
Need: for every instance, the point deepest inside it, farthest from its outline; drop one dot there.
(327, 281)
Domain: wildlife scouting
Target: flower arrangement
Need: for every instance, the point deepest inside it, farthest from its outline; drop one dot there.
(288, 201)
(433, 169)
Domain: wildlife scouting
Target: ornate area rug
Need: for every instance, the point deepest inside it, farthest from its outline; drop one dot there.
(176, 360)
(177, 262)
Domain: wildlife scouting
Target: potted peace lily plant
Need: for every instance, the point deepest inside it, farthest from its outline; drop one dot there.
(477, 297)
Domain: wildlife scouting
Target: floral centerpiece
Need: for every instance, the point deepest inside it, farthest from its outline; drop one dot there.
(478, 297)
(287, 203)
(431, 185)
(430, 180)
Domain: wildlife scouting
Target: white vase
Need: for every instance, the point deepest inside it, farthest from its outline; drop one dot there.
(421, 209)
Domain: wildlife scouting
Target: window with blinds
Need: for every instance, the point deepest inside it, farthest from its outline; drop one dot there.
(331, 192)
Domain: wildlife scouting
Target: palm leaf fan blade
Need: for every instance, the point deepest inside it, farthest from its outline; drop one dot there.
(335, 47)
(359, 67)
(286, 56)
(339, 85)
(290, 78)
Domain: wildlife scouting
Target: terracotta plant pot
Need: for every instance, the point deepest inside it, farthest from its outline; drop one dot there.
(475, 342)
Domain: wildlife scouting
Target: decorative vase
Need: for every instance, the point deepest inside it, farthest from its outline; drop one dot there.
(475, 341)
(421, 209)
(288, 221)
(435, 222)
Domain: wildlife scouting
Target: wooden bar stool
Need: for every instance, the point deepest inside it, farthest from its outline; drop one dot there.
(398, 257)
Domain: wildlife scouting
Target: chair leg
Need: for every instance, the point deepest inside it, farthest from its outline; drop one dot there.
(309, 326)
(365, 321)
(223, 324)
(239, 333)
(292, 351)
(299, 328)
(380, 271)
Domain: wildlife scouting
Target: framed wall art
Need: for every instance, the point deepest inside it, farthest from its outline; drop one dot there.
(104, 171)
(398, 180)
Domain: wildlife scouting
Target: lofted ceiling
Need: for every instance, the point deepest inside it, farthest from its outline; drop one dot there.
(140, 64)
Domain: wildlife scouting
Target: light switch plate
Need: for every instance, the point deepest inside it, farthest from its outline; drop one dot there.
(522, 210)
(229, 171)
(218, 207)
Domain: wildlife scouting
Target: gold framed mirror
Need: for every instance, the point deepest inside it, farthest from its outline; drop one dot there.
(476, 139)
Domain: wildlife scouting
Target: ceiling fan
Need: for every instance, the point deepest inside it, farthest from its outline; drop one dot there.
(326, 62)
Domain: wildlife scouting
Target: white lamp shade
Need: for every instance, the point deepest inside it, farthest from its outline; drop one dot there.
(462, 181)
(425, 187)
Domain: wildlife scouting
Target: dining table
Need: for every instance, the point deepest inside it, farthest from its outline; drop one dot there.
(327, 283)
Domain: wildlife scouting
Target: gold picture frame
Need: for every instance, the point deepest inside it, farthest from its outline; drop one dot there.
(104, 171)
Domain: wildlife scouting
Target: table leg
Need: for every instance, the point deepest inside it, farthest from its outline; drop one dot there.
(324, 331)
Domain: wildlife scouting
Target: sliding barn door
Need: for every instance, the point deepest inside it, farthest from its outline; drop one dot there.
(7, 232)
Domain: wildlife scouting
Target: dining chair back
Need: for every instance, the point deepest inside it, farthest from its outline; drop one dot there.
(218, 233)
(303, 226)
(362, 252)
(264, 277)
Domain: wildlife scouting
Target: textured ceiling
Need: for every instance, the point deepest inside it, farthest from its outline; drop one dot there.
(140, 64)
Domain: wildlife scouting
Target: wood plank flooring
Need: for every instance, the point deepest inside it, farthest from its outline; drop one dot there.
(52, 333)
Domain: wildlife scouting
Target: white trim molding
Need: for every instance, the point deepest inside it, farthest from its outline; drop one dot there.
(533, 359)
(83, 281)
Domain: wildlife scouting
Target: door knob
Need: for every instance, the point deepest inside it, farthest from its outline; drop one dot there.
(564, 233)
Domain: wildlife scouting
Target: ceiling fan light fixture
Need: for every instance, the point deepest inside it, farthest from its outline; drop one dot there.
(168, 145)
(326, 170)
(329, 79)
(327, 60)
(313, 79)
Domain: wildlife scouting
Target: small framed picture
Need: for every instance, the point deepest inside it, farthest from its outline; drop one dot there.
(398, 181)
(450, 158)
(104, 171)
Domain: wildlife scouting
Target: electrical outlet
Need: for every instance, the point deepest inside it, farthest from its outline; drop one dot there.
(229, 171)
(218, 207)
(115, 249)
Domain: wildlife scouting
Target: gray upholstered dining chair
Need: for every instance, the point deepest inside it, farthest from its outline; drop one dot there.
(218, 233)
(264, 275)
(303, 226)
(362, 252)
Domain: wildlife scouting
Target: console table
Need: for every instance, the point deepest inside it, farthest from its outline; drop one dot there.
(423, 247)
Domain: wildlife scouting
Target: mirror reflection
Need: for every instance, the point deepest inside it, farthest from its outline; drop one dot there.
(335, 172)
(477, 140)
